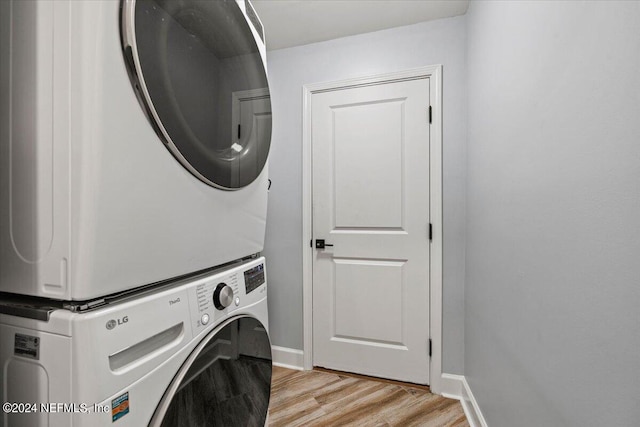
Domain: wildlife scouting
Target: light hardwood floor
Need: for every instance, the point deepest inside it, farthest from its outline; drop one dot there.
(327, 398)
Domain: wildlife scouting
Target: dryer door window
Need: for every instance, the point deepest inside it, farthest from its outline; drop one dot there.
(225, 382)
(201, 79)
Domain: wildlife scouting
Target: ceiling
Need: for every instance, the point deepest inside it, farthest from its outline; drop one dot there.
(297, 22)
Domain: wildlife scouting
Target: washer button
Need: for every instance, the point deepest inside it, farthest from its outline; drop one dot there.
(237, 300)
(204, 319)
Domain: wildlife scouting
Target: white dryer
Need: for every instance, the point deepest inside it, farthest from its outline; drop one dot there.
(134, 138)
(195, 353)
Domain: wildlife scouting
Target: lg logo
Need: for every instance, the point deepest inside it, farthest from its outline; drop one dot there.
(115, 322)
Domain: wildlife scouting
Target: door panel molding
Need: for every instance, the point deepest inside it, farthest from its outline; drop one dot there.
(434, 74)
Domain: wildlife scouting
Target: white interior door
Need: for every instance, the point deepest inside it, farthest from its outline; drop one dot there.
(370, 148)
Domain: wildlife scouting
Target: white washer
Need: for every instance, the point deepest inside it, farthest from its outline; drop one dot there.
(134, 139)
(173, 357)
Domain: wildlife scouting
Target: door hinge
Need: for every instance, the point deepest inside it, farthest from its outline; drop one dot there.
(430, 231)
(238, 131)
(430, 114)
(430, 347)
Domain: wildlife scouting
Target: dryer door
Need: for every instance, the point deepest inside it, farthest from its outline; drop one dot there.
(226, 381)
(200, 77)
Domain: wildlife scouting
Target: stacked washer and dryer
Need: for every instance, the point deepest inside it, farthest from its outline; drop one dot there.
(134, 138)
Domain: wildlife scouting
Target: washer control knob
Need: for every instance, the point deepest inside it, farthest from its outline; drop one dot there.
(222, 296)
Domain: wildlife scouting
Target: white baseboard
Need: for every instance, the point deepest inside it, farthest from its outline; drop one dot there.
(287, 357)
(470, 406)
(451, 386)
(456, 387)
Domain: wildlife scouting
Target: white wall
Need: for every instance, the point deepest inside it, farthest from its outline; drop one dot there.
(553, 221)
(436, 42)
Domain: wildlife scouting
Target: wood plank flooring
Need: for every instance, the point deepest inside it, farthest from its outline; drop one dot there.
(327, 398)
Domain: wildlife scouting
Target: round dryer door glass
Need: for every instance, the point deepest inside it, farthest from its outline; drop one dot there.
(225, 382)
(200, 75)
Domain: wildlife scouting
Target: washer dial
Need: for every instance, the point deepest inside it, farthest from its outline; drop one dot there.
(222, 296)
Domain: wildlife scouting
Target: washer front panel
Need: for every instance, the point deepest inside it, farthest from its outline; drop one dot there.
(200, 75)
(153, 368)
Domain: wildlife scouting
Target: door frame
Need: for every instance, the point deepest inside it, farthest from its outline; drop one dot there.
(434, 73)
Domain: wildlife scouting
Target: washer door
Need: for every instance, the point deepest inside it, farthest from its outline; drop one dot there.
(197, 70)
(226, 381)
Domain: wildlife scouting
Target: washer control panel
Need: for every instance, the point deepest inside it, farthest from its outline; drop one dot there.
(224, 292)
(253, 278)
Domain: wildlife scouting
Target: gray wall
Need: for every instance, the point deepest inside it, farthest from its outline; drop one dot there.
(552, 296)
(437, 42)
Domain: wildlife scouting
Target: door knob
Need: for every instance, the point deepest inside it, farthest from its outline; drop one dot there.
(320, 244)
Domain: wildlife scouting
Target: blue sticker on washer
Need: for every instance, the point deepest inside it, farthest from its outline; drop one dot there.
(119, 407)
